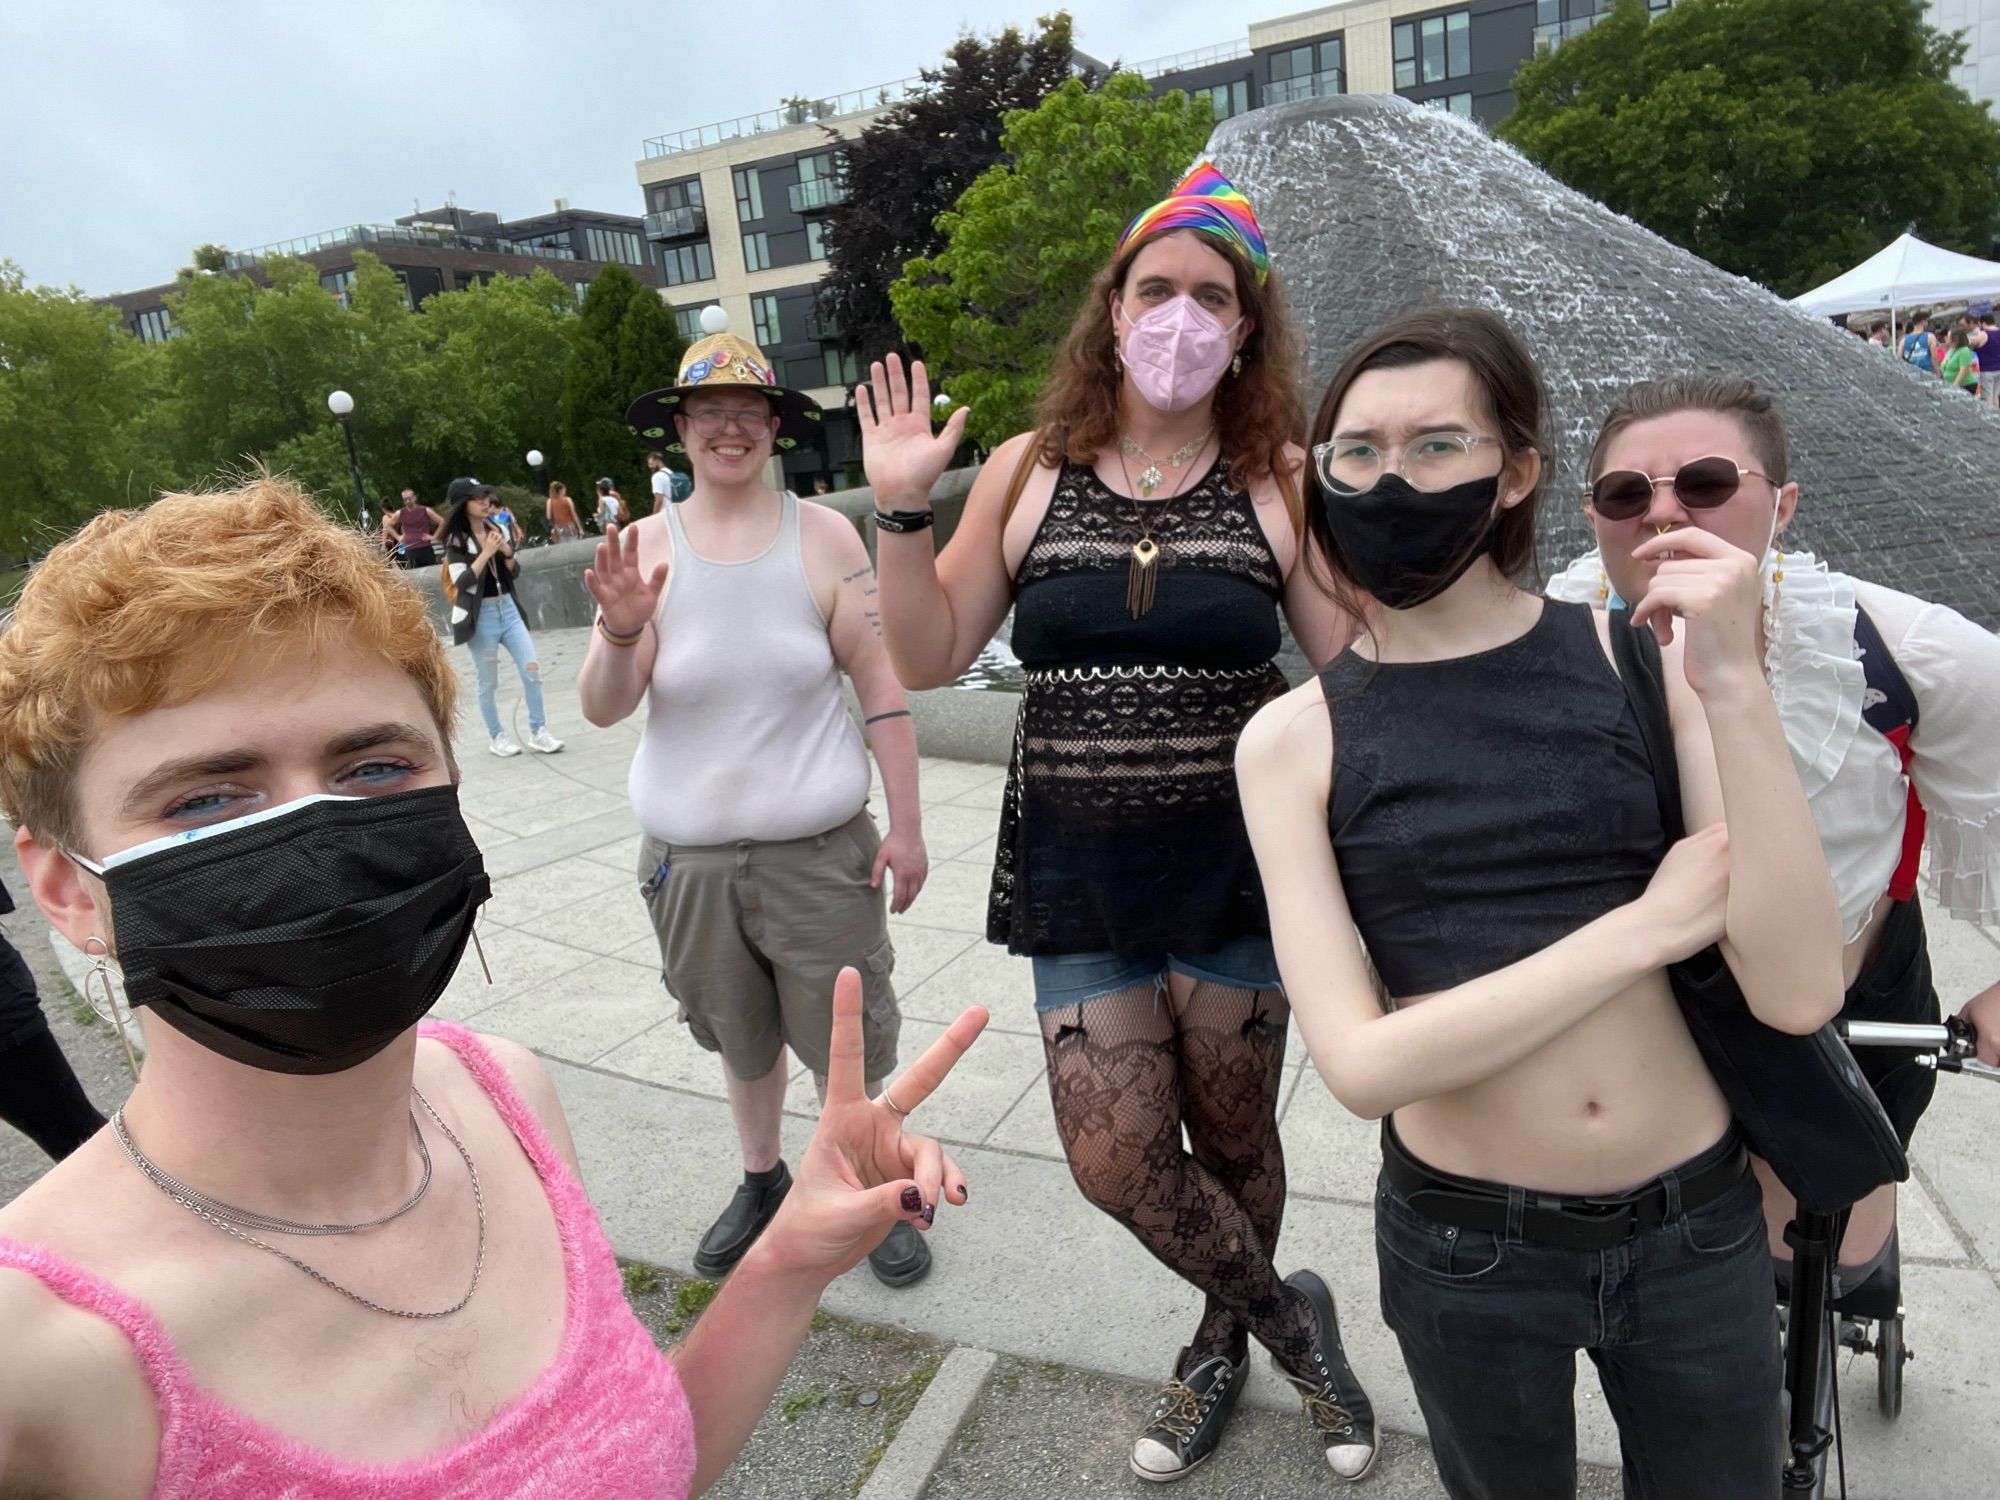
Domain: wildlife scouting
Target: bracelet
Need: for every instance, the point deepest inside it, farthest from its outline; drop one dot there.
(896, 713)
(901, 522)
(626, 641)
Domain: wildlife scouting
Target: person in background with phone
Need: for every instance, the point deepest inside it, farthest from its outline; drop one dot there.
(485, 615)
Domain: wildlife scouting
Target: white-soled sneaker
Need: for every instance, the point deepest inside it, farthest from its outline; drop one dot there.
(544, 743)
(1337, 1410)
(503, 744)
(1188, 1420)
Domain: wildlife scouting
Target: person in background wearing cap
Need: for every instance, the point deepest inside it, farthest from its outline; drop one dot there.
(479, 562)
(1147, 535)
(610, 505)
(731, 617)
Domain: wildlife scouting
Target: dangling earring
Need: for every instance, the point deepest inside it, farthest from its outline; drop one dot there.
(1236, 365)
(1777, 582)
(1603, 587)
(101, 995)
(1117, 363)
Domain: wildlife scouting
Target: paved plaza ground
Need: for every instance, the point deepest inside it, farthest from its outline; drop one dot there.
(1082, 1320)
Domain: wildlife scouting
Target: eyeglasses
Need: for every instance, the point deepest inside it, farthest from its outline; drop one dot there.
(710, 423)
(1699, 484)
(1431, 461)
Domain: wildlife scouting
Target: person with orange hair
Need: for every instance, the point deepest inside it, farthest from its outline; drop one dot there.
(1146, 535)
(321, 1249)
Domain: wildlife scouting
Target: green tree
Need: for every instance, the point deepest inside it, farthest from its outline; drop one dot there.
(1784, 140)
(912, 163)
(1025, 239)
(646, 357)
(591, 416)
(74, 387)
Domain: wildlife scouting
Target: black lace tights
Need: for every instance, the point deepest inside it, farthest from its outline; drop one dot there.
(1126, 1072)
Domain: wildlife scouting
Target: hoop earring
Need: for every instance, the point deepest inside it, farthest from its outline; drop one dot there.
(101, 996)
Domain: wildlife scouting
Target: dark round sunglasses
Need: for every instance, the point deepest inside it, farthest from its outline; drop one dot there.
(1700, 484)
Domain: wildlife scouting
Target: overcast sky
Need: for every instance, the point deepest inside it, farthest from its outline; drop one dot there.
(133, 130)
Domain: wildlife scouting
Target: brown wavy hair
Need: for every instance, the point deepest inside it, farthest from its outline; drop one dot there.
(1256, 413)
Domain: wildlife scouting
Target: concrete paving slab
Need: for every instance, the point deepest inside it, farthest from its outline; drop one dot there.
(588, 1013)
(920, 953)
(950, 830)
(615, 918)
(981, 974)
(565, 887)
(954, 897)
(930, 1430)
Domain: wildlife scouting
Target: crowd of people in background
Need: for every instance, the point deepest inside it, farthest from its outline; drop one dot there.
(1963, 350)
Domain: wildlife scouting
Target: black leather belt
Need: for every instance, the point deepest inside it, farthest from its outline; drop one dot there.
(1551, 1218)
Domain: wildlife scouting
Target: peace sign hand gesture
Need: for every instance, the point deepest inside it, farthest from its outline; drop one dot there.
(863, 1172)
(625, 597)
(901, 454)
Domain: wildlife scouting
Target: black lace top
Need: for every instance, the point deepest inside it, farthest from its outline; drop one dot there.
(1121, 830)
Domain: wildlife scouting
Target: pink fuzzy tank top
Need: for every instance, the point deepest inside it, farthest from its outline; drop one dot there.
(607, 1419)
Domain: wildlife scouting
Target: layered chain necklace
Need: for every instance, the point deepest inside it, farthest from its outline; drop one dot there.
(236, 1221)
(1142, 578)
(1150, 477)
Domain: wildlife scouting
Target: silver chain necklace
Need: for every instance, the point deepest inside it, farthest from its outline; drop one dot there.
(227, 1217)
(1150, 477)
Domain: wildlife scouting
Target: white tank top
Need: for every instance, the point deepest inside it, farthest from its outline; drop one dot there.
(747, 736)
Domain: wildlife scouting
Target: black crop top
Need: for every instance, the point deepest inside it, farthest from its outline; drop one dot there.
(1487, 806)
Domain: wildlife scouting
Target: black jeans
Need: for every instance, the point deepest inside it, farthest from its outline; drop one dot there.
(1679, 1320)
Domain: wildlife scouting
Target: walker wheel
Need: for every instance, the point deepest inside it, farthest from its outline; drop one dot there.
(1889, 1357)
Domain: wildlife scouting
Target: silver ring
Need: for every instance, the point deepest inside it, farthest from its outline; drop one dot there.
(884, 1097)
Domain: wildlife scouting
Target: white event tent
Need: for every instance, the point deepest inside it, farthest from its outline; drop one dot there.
(1905, 273)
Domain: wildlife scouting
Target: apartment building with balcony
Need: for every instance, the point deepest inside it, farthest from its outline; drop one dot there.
(437, 250)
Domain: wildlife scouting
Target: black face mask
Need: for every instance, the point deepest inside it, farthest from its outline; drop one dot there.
(307, 940)
(1405, 545)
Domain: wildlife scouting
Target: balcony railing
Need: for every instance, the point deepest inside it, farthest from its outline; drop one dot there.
(424, 236)
(1181, 62)
(792, 113)
(677, 223)
(818, 193)
(1306, 86)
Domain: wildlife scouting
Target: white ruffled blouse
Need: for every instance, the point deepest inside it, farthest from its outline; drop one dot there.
(1853, 778)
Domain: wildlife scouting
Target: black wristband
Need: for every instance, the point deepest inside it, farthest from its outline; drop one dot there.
(898, 522)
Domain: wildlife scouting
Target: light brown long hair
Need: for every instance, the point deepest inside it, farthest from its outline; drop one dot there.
(1257, 412)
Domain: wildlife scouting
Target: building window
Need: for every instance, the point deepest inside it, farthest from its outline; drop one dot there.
(749, 194)
(1316, 70)
(671, 195)
(1433, 49)
(403, 285)
(1548, 12)
(765, 322)
(684, 263)
(843, 366)
(688, 321)
(582, 290)
(1457, 104)
(757, 251)
(1226, 99)
(613, 244)
(340, 283)
(815, 239)
(155, 326)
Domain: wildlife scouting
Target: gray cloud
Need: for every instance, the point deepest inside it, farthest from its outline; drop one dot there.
(134, 130)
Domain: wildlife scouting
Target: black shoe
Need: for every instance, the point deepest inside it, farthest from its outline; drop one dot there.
(903, 1259)
(1188, 1419)
(741, 1222)
(1336, 1408)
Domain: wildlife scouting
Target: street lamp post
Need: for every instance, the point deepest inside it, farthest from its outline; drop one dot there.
(342, 406)
(535, 462)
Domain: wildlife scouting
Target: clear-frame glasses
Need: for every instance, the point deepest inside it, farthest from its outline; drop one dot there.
(1430, 461)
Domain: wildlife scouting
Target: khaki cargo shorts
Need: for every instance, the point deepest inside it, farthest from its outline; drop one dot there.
(753, 934)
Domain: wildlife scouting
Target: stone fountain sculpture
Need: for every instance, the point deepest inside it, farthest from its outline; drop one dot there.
(1373, 205)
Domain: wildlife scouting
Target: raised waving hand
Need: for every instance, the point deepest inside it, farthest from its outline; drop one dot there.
(901, 454)
(626, 597)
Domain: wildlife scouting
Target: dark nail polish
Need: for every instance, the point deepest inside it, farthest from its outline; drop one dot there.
(912, 1200)
(964, 1193)
(930, 1213)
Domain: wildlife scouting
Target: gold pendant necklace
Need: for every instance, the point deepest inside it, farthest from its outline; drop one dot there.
(1150, 477)
(1142, 577)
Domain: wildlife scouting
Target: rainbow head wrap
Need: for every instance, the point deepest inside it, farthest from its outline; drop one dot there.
(1210, 202)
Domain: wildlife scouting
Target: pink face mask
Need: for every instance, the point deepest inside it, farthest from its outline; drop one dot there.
(1177, 353)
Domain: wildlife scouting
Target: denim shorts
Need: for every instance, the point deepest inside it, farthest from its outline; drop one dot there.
(1066, 979)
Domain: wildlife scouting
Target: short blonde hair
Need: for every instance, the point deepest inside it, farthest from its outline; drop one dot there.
(148, 608)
